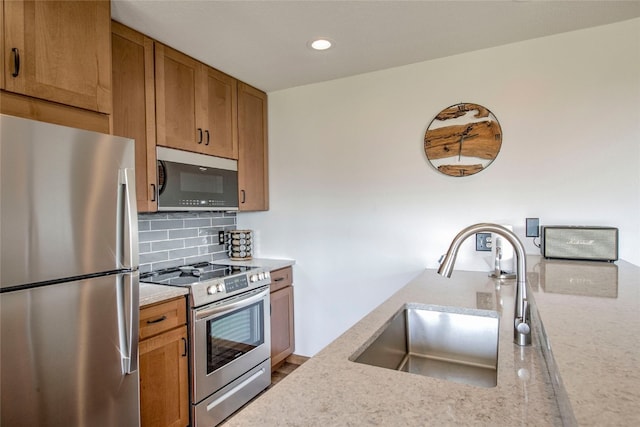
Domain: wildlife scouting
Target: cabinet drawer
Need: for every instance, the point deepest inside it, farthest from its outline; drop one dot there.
(157, 318)
(281, 278)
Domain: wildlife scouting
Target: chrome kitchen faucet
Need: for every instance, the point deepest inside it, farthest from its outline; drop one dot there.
(522, 319)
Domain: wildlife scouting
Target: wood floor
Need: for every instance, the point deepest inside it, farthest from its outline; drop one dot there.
(290, 364)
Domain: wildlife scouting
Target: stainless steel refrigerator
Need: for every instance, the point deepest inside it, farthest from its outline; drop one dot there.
(68, 275)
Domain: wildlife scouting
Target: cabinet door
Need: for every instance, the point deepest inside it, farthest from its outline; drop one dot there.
(160, 317)
(63, 49)
(281, 278)
(253, 181)
(28, 107)
(282, 333)
(2, 45)
(176, 108)
(164, 392)
(220, 109)
(134, 106)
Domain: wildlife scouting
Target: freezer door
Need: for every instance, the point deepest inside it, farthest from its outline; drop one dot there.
(65, 357)
(67, 202)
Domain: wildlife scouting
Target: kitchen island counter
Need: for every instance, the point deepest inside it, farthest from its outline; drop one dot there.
(589, 378)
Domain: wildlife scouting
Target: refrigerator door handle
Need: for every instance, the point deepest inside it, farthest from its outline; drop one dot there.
(128, 220)
(128, 319)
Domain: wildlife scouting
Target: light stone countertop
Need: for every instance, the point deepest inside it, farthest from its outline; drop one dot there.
(591, 376)
(152, 293)
(269, 263)
(591, 314)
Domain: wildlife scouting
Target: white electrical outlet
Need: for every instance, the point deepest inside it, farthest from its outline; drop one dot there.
(483, 242)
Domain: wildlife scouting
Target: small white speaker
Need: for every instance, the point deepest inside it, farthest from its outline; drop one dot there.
(585, 243)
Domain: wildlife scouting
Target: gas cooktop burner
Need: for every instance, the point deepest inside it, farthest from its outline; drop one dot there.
(190, 274)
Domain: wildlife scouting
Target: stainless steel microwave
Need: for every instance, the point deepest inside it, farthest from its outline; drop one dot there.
(190, 181)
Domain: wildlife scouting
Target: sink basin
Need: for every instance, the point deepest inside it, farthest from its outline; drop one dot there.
(451, 343)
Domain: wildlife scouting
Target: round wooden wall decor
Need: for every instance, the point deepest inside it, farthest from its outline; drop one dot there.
(463, 139)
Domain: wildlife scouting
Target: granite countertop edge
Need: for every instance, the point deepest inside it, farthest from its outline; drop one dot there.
(151, 293)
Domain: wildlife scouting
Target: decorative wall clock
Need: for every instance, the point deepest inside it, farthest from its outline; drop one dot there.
(463, 139)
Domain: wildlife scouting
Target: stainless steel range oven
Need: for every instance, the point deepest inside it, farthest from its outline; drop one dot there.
(230, 335)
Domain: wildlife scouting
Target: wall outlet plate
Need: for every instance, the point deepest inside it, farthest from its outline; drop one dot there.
(483, 242)
(533, 227)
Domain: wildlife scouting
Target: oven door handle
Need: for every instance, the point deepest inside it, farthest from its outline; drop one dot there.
(234, 390)
(223, 308)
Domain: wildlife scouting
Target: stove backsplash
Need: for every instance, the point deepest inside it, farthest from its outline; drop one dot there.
(170, 239)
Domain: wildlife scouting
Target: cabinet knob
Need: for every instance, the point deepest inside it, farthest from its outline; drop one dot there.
(207, 133)
(199, 135)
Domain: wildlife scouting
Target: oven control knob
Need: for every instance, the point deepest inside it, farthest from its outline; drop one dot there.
(267, 275)
(211, 289)
(253, 278)
(220, 287)
(260, 276)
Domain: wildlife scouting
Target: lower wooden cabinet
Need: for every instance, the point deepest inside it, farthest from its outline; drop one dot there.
(164, 381)
(282, 331)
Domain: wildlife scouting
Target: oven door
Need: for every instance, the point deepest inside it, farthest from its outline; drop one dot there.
(230, 338)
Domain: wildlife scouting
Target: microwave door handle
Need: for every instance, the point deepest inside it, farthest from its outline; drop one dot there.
(162, 176)
(128, 220)
(205, 313)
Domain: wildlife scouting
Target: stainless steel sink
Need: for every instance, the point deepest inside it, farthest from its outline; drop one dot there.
(451, 343)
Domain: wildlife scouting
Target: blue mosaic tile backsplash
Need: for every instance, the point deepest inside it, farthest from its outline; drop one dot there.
(170, 239)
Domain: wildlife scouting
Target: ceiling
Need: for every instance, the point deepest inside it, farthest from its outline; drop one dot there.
(265, 43)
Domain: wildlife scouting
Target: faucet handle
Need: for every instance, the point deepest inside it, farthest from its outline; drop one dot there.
(523, 327)
(522, 333)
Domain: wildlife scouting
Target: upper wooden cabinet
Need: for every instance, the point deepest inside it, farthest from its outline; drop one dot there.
(176, 106)
(196, 108)
(59, 51)
(195, 105)
(220, 113)
(253, 169)
(134, 106)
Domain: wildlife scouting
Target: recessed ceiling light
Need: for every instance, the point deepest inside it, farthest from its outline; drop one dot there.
(321, 44)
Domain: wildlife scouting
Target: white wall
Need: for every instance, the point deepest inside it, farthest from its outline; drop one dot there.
(355, 202)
